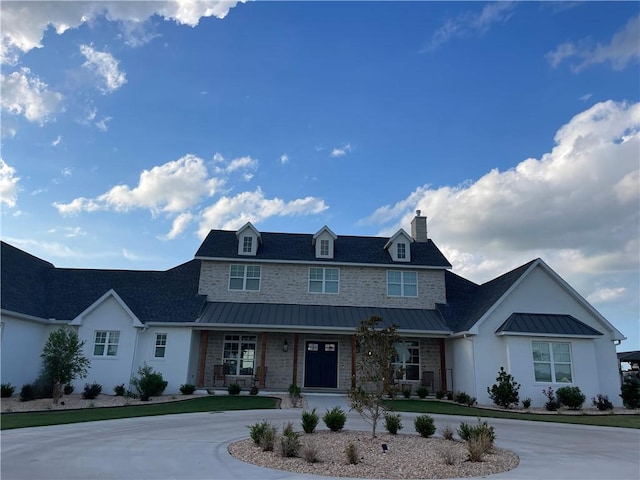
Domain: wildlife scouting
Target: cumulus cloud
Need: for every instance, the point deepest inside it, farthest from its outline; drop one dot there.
(8, 185)
(180, 223)
(284, 158)
(105, 67)
(341, 151)
(25, 94)
(470, 24)
(23, 23)
(619, 52)
(607, 295)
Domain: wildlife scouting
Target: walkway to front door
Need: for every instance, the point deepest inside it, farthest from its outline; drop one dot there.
(321, 364)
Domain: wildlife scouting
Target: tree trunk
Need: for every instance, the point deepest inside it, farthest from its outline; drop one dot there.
(57, 388)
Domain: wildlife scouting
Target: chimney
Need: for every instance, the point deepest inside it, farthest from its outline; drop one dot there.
(419, 228)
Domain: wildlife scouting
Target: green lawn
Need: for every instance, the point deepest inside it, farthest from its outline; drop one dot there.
(203, 404)
(446, 408)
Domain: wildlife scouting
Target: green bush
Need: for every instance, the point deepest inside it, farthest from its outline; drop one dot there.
(234, 389)
(267, 438)
(602, 402)
(526, 403)
(187, 388)
(631, 392)
(119, 390)
(149, 383)
(43, 386)
(310, 421)
(335, 419)
(26, 393)
(440, 394)
(68, 389)
(253, 390)
(392, 423)
(91, 391)
(290, 442)
(464, 398)
(552, 404)
(468, 432)
(504, 392)
(571, 397)
(256, 430)
(424, 425)
(7, 390)
(422, 392)
(406, 392)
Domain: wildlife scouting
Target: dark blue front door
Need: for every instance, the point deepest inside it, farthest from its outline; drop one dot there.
(321, 364)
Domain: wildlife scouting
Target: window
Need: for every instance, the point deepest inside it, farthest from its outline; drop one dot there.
(244, 277)
(402, 284)
(239, 354)
(161, 345)
(324, 248)
(402, 250)
(406, 364)
(552, 362)
(106, 343)
(247, 244)
(323, 280)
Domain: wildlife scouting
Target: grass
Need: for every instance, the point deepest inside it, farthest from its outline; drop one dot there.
(203, 404)
(446, 408)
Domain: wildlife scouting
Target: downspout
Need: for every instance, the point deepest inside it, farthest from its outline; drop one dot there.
(135, 351)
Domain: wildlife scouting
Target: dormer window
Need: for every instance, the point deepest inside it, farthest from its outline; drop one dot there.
(324, 248)
(248, 240)
(324, 243)
(401, 251)
(247, 244)
(398, 246)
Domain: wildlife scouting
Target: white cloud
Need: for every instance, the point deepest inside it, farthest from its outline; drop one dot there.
(471, 23)
(180, 223)
(605, 295)
(25, 94)
(341, 151)
(619, 52)
(246, 166)
(23, 23)
(57, 141)
(586, 97)
(102, 124)
(8, 185)
(284, 158)
(105, 67)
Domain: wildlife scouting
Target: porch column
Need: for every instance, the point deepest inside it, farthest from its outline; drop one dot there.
(353, 361)
(204, 342)
(295, 359)
(443, 368)
(263, 359)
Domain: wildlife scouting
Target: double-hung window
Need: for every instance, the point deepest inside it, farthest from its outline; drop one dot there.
(552, 362)
(247, 244)
(324, 280)
(161, 345)
(106, 343)
(239, 354)
(402, 284)
(324, 248)
(406, 363)
(401, 251)
(244, 277)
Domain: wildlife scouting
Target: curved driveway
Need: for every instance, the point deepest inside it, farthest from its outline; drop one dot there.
(194, 446)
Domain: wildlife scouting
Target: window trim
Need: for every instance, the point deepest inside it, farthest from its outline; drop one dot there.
(157, 345)
(323, 282)
(245, 277)
(108, 342)
(403, 284)
(552, 362)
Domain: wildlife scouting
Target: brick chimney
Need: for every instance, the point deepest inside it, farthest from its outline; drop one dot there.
(419, 228)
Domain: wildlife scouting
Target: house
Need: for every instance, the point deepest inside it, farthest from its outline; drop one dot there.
(282, 308)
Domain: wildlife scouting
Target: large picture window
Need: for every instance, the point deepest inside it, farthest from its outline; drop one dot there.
(244, 277)
(552, 362)
(324, 280)
(106, 343)
(402, 284)
(239, 354)
(406, 364)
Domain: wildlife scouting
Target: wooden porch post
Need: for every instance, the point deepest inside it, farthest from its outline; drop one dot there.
(263, 359)
(353, 361)
(295, 359)
(443, 368)
(204, 341)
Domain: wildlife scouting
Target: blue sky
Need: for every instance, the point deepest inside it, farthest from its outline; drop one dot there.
(129, 129)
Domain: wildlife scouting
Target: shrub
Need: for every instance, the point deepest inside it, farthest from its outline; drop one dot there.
(187, 388)
(310, 452)
(449, 395)
(440, 394)
(478, 446)
(422, 392)
(467, 432)
(335, 419)
(571, 397)
(424, 425)
(295, 395)
(290, 442)
(310, 421)
(504, 392)
(447, 432)
(43, 386)
(287, 429)
(448, 456)
(602, 402)
(253, 390)
(257, 429)
(392, 423)
(149, 383)
(130, 394)
(26, 393)
(234, 389)
(119, 390)
(406, 392)
(267, 438)
(351, 452)
(552, 403)
(526, 403)
(91, 391)
(7, 390)
(464, 398)
(630, 392)
(68, 389)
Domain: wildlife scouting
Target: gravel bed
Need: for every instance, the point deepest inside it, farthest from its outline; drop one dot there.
(408, 456)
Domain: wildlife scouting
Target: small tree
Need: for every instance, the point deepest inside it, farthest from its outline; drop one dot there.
(63, 360)
(505, 392)
(374, 369)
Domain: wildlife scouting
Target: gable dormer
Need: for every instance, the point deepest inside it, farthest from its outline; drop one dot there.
(324, 241)
(248, 240)
(399, 245)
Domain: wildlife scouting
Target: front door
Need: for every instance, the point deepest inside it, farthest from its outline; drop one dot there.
(321, 364)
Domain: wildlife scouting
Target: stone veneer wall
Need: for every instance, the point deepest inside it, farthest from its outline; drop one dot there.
(284, 283)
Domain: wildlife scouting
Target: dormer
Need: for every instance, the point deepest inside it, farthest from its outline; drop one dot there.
(324, 241)
(248, 240)
(399, 245)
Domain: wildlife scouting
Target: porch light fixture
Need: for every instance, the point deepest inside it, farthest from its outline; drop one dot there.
(285, 346)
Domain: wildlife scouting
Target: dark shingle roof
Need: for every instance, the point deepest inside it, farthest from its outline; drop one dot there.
(546, 323)
(318, 316)
(633, 356)
(34, 287)
(299, 247)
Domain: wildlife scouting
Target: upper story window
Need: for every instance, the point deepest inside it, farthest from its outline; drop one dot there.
(161, 345)
(248, 240)
(324, 280)
(402, 284)
(106, 343)
(244, 277)
(324, 248)
(324, 242)
(552, 362)
(401, 251)
(247, 244)
(398, 246)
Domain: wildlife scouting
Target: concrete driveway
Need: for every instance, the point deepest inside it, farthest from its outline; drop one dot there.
(194, 446)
